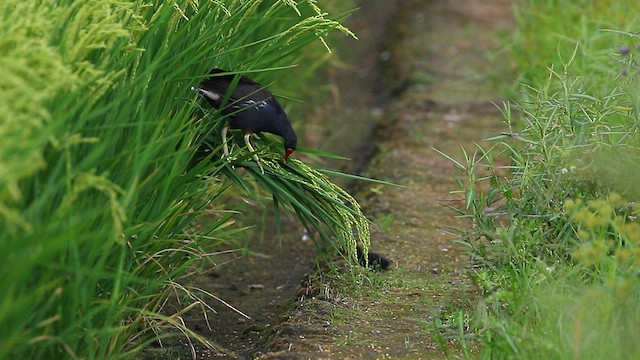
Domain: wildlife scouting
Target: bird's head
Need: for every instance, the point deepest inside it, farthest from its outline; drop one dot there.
(290, 143)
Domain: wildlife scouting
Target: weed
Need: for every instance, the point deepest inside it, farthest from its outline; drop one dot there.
(554, 233)
(385, 221)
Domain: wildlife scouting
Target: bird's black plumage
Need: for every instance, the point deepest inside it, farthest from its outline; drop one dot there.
(249, 106)
(374, 260)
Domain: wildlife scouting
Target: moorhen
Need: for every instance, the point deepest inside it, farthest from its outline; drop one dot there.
(249, 107)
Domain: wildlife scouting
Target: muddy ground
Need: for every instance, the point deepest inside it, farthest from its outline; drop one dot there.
(423, 75)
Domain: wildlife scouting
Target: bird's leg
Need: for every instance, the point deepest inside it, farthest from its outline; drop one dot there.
(255, 157)
(247, 135)
(225, 148)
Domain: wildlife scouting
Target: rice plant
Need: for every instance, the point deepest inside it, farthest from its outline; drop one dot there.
(100, 189)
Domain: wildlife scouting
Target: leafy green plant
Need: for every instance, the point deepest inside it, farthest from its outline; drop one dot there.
(550, 235)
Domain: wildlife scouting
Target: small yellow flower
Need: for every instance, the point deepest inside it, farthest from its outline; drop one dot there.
(616, 200)
(621, 288)
(587, 255)
(600, 248)
(631, 232)
(622, 256)
(601, 208)
(581, 216)
(596, 221)
(584, 235)
(636, 256)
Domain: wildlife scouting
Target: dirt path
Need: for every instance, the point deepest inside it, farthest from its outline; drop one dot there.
(436, 92)
(445, 83)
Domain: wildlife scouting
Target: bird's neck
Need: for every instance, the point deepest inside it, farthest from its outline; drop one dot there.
(288, 134)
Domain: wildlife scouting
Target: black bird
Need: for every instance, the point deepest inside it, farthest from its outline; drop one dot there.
(250, 107)
(373, 259)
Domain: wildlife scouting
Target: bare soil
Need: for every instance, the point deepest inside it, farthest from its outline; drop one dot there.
(421, 77)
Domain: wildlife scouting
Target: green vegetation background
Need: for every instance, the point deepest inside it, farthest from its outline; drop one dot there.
(556, 237)
(100, 192)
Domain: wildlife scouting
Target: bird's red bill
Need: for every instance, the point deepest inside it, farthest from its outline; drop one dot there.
(287, 153)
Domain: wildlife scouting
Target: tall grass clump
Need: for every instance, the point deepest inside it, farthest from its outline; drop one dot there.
(554, 237)
(100, 189)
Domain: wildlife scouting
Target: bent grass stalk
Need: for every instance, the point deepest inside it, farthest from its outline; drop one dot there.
(317, 201)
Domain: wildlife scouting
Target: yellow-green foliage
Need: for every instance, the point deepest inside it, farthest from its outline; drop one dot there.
(609, 233)
(567, 263)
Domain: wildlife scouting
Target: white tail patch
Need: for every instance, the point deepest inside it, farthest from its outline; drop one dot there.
(206, 93)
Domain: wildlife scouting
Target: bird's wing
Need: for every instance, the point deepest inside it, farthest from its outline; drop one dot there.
(246, 90)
